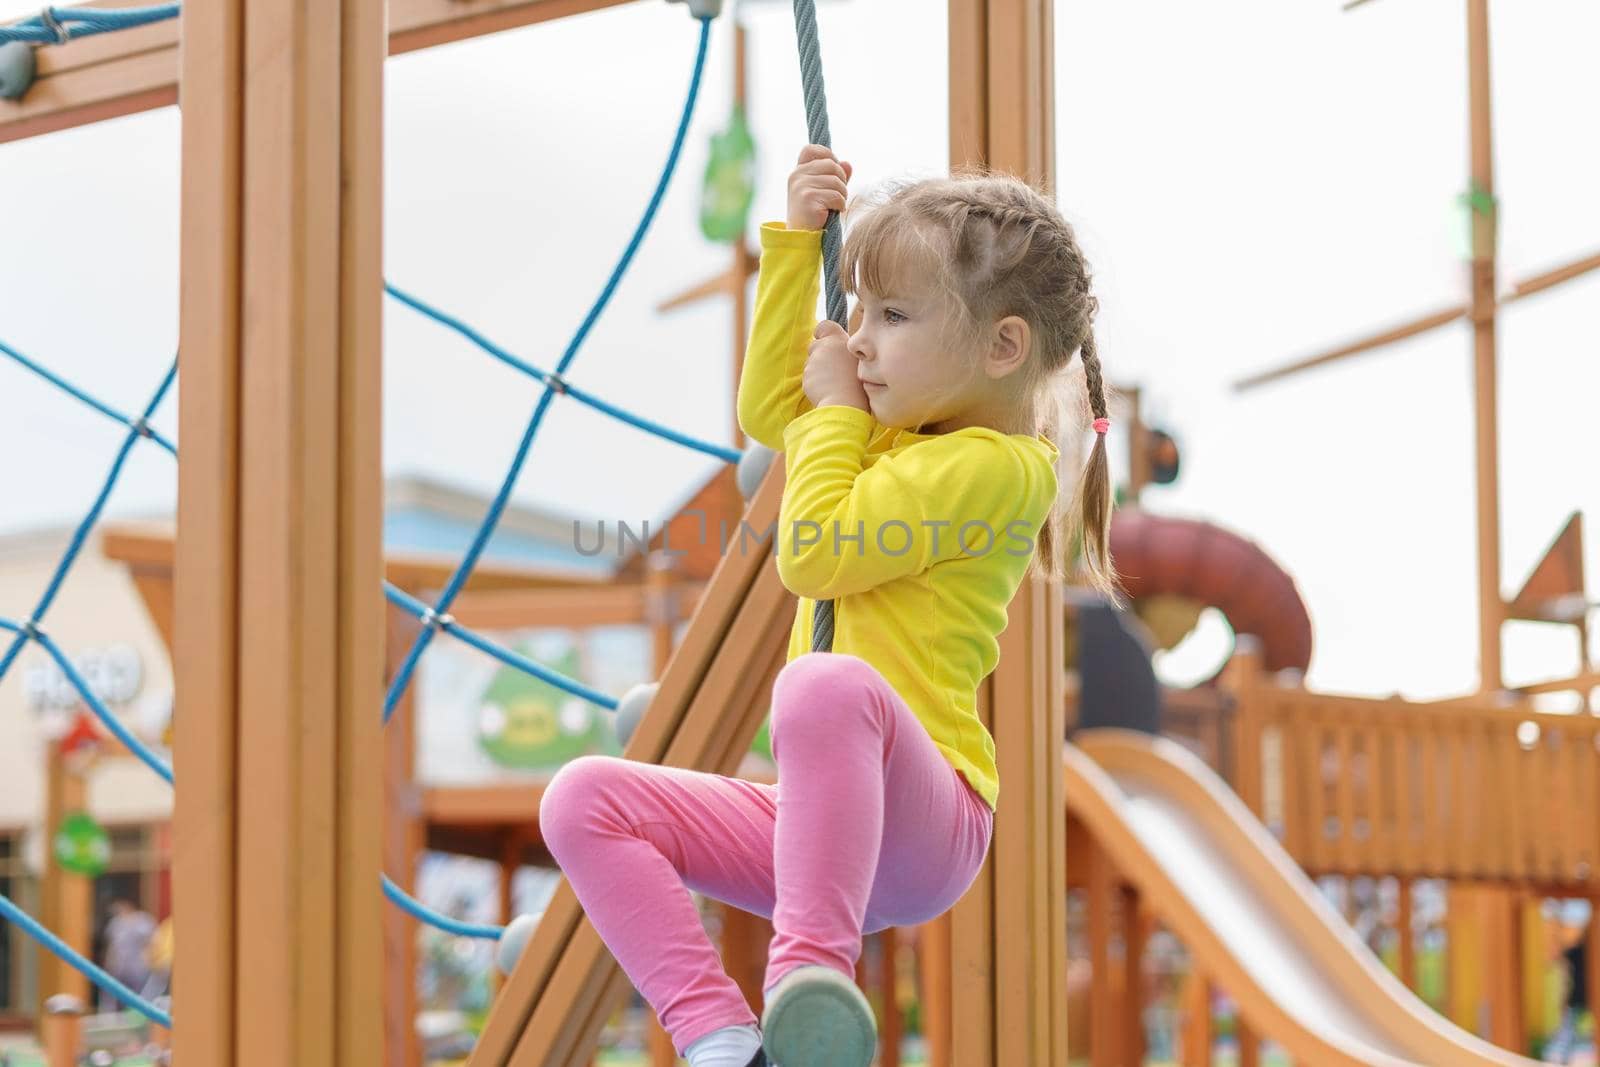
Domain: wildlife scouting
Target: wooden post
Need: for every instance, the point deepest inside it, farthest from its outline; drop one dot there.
(933, 957)
(1404, 920)
(1249, 1043)
(742, 265)
(1198, 1035)
(1132, 1008)
(279, 609)
(67, 903)
(403, 837)
(661, 1052)
(891, 1025)
(1501, 918)
(1104, 1044)
(1243, 679)
(1491, 605)
(1591, 956)
(1008, 935)
(61, 1030)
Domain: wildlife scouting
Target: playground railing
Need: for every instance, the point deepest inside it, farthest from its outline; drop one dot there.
(1469, 790)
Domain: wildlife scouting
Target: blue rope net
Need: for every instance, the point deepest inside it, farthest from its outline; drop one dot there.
(56, 26)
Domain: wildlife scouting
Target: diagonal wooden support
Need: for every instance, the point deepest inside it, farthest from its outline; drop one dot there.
(710, 703)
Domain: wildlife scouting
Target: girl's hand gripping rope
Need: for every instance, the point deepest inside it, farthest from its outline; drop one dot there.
(830, 374)
(816, 187)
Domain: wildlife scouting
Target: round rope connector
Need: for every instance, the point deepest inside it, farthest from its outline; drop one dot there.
(702, 9)
(433, 620)
(141, 427)
(17, 69)
(556, 383)
(48, 19)
(30, 630)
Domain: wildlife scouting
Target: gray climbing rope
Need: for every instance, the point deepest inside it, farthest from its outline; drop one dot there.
(805, 27)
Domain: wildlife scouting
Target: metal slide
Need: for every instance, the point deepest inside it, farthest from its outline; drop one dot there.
(1252, 919)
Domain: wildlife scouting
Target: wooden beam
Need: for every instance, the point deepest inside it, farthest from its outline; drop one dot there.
(1008, 935)
(280, 647)
(608, 605)
(147, 548)
(1491, 607)
(1538, 283)
(136, 70)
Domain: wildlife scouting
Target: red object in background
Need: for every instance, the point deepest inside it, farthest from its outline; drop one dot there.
(83, 736)
(1186, 557)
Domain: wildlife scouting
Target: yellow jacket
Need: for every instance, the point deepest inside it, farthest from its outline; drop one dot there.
(921, 539)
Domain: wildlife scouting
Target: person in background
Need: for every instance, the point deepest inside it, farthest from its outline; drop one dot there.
(128, 934)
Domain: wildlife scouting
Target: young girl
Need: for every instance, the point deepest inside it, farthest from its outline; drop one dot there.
(920, 475)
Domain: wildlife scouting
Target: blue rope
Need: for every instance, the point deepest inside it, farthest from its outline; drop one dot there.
(74, 22)
(74, 391)
(418, 910)
(65, 951)
(504, 655)
(722, 452)
(101, 712)
(402, 678)
(81, 534)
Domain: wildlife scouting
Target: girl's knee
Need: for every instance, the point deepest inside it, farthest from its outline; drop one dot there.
(807, 678)
(577, 791)
(824, 691)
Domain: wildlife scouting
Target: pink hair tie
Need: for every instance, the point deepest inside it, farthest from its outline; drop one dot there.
(1102, 425)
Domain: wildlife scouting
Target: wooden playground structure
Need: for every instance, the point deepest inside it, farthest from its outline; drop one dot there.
(268, 601)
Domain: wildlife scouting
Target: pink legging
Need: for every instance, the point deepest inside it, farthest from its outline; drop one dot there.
(868, 827)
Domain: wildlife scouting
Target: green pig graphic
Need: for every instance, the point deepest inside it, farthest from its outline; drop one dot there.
(525, 723)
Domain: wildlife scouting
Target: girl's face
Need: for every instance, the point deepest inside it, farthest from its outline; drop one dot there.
(906, 344)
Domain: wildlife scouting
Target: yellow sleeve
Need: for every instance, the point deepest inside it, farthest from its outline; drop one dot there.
(770, 391)
(845, 526)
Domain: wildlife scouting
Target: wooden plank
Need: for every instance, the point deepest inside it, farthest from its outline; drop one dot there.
(207, 651)
(1345, 849)
(362, 614)
(131, 71)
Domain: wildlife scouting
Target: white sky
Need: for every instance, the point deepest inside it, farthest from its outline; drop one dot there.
(1251, 180)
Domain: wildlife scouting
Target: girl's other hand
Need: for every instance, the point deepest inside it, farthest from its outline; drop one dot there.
(830, 374)
(816, 186)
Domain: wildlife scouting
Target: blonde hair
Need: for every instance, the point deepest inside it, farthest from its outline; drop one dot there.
(1000, 247)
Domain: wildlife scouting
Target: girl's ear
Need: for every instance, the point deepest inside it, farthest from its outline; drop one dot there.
(1012, 341)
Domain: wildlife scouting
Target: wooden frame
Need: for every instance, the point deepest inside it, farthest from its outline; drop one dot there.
(278, 820)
